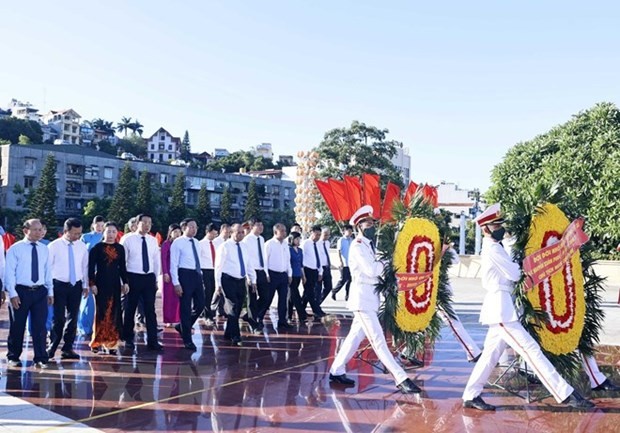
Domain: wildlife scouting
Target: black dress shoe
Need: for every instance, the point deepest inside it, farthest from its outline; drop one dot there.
(41, 364)
(577, 401)
(415, 362)
(531, 378)
(190, 346)
(177, 328)
(342, 379)
(408, 387)
(129, 345)
(155, 347)
(607, 386)
(475, 359)
(478, 403)
(14, 363)
(69, 354)
(50, 354)
(236, 341)
(333, 296)
(284, 325)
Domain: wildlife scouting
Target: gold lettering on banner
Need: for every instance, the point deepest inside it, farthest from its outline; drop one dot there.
(411, 281)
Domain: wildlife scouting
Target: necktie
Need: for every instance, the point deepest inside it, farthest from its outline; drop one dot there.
(212, 253)
(372, 245)
(329, 262)
(72, 277)
(241, 264)
(260, 255)
(145, 256)
(196, 259)
(316, 256)
(34, 264)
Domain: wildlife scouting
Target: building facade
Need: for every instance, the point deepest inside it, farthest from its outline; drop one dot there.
(66, 124)
(163, 146)
(402, 161)
(84, 174)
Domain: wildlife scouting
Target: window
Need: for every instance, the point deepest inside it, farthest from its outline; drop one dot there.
(170, 147)
(163, 177)
(287, 192)
(152, 146)
(162, 137)
(152, 156)
(108, 172)
(108, 189)
(161, 157)
(90, 188)
(28, 182)
(169, 156)
(30, 164)
(73, 187)
(92, 171)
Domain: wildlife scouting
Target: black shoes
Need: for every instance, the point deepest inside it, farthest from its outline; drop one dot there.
(478, 403)
(69, 354)
(607, 386)
(41, 364)
(412, 360)
(333, 296)
(14, 363)
(177, 328)
(408, 387)
(341, 379)
(156, 347)
(236, 341)
(577, 401)
(129, 345)
(190, 346)
(284, 325)
(475, 358)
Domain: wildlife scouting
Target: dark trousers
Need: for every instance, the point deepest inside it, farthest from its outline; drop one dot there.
(345, 281)
(258, 300)
(327, 283)
(234, 292)
(35, 303)
(279, 284)
(141, 287)
(193, 291)
(294, 301)
(208, 281)
(217, 304)
(67, 300)
(310, 292)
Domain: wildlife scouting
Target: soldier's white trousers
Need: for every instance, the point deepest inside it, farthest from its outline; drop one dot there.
(592, 370)
(514, 335)
(462, 336)
(366, 324)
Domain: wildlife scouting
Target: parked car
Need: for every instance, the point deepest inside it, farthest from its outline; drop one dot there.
(128, 156)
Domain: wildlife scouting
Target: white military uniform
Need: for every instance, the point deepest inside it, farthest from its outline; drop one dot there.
(364, 303)
(499, 273)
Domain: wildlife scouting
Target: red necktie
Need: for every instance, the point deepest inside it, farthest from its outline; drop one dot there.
(212, 253)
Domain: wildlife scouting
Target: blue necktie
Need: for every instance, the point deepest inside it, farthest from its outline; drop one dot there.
(196, 259)
(241, 264)
(260, 255)
(329, 262)
(34, 264)
(72, 277)
(316, 256)
(145, 256)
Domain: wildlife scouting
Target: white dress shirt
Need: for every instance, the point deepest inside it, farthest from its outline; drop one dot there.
(227, 262)
(2, 260)
(18, 269)
(251, 243)
(59, 260)
(219, 241)
(323, 246)
(206, 253)
(278, 256)
(182, 257)
(133, 254)
(307, 247)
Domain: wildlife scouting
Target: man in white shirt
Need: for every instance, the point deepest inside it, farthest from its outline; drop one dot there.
(313, 270)
(343, 245)
(186, 276)
(208, 249)
(233, 271)
(143, 267)
(217, 302)
(257, 299)
(277, 252)
(326, 282)
(499, 273)
(68, 260)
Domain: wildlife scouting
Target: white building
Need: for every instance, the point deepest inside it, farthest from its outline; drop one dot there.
(24, 110)
(163, 147)
(66, 123)
(402, 161)
(264, 150)
(220, 153)
(456, 200)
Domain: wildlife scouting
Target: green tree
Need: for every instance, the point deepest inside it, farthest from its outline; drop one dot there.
(144, 196)
(122, 207)
(12, 128)
(252, 205)
(177, 210)
(23, 139)
(186, 148)
(581, 159)
(133, 144)
(96, 206)
(42, 200)
(123, 125)
(202, 212)
(136, 127)
(236, 161)
(103, 125)
(226, 206)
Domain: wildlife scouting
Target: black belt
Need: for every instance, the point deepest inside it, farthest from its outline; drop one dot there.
(277, 272)
(55, 281)
(31, 288)
(232, 278)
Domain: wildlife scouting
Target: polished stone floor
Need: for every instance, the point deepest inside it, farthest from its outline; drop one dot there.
(278, 382)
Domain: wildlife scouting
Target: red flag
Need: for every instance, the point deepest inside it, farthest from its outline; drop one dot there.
(411, 190)
(430, 193)
(119, 235)
(328, 196)
(372, 193)
(159, 238)
(354, 191)
(392, 194)
(8, 239)
(339, 190)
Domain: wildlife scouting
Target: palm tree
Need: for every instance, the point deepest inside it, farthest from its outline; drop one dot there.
(136, 127)
(124, 125)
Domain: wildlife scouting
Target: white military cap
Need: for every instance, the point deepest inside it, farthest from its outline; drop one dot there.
(361, 214)
(492, 215)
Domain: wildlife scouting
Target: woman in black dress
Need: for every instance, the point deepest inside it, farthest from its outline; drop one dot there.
(107, 275)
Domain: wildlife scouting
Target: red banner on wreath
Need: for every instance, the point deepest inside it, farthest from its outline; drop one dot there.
(411, 281)
(545, 262)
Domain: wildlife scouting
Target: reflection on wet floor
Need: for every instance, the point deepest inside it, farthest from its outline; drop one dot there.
(279, 382)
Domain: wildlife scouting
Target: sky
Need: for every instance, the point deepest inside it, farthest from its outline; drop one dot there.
(457, 82)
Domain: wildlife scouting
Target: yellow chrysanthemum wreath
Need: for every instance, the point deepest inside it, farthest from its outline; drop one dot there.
(562, 295)
(418, 249)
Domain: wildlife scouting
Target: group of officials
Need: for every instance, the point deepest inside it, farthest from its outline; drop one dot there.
(239, 268)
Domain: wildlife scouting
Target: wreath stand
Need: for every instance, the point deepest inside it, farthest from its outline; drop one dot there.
(373, 363)
(515, 370)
